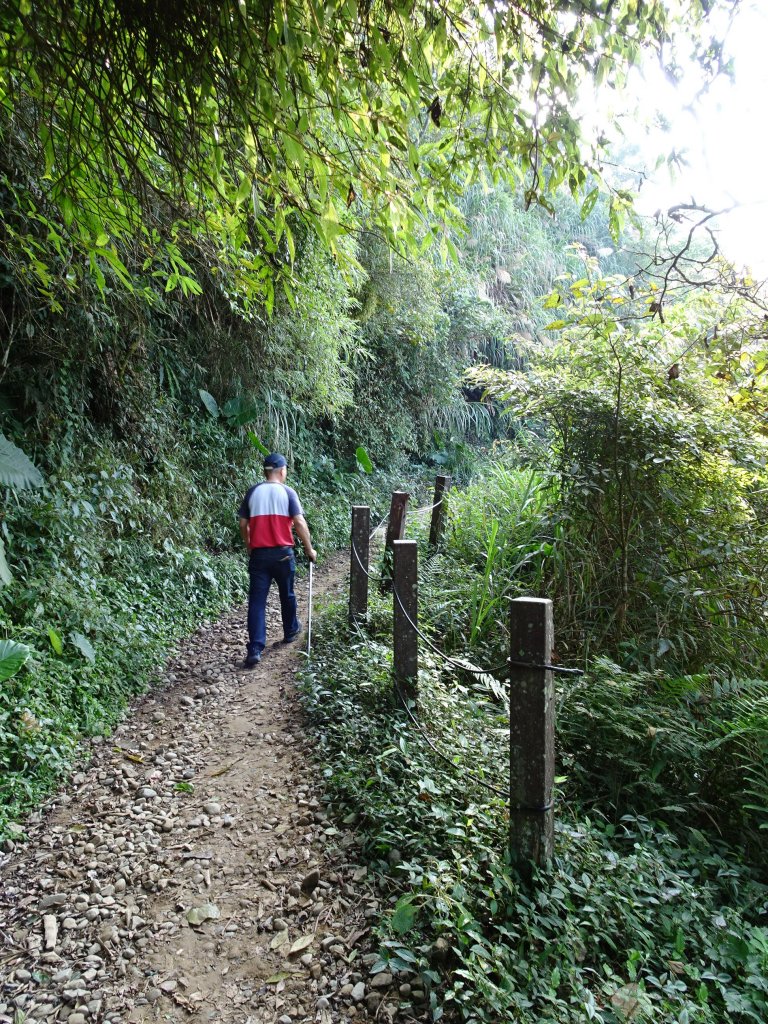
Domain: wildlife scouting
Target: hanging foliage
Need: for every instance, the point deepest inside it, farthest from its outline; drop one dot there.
(230, 124)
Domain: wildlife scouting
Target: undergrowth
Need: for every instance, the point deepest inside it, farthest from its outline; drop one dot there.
(635, 920)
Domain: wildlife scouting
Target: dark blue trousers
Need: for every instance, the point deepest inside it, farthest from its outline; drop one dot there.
(265, 565)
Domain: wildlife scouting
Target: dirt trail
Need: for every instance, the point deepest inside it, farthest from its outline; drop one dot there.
(190, 872)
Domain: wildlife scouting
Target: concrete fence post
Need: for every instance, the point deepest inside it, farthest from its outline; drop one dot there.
(359, 561)
(396, 524)
(405, 603)
(442, 486)
(531, 733)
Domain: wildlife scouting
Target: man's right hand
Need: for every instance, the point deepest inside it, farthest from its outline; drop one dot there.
(311, 554)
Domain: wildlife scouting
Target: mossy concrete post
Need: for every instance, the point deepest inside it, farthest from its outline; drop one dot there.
(359, 561)
(396, 524)
(442, 485)
(405, 601)
(531, 733)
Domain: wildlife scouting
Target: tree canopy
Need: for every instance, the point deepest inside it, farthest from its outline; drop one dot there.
(242, 125)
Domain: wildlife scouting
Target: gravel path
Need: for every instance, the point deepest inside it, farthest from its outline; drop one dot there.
(190, 872)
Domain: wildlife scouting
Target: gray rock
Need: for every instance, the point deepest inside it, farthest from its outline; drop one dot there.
(382, 980)
(310, 882)
(53, 899)
(358, 992)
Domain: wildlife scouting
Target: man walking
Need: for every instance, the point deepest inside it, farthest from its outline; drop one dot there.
(269, 514)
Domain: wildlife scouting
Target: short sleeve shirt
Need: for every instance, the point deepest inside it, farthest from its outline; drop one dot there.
(269, 508)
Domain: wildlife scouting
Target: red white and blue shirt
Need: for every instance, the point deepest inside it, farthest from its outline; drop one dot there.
(269, 508)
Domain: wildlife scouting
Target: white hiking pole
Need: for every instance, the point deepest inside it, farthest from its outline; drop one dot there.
(309, 616)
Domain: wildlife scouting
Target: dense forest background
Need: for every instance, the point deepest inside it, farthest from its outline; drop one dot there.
(375, 238)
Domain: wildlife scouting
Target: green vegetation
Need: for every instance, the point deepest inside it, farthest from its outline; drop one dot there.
(146, 144)
(630, 489)
(115, 559)
(223, 229)
(647, 912)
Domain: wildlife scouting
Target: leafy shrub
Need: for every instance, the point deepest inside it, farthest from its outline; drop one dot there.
(688, 751)
(658, 487)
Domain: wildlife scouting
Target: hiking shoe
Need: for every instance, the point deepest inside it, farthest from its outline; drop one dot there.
(251, 660)
(292, 636)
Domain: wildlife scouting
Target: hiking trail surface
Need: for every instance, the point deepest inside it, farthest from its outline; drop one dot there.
(189, 872)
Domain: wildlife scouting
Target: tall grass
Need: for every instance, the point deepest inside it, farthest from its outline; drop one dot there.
(496, 548)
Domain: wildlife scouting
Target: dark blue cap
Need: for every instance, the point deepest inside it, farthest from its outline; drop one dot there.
(275, 461)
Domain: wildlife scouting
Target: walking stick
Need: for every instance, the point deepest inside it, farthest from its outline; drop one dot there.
(309, 616)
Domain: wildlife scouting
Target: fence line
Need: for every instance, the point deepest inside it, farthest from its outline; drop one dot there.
(496, 671)
(531, 699)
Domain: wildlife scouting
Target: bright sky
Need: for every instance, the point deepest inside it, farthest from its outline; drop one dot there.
(724, 141)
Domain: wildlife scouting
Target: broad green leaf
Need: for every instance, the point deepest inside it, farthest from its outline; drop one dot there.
(55, 639)
(83, 644)
(12, 657)
(363, 460)
(246, 414)
(5, 573)
(16, 470)
(209, 402)
(404, 916)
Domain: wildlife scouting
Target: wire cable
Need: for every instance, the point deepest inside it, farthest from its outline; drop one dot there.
(495, 671)
(377, 528)
(426, 508)
(430, 743)
(371, 576)
(443, 756)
